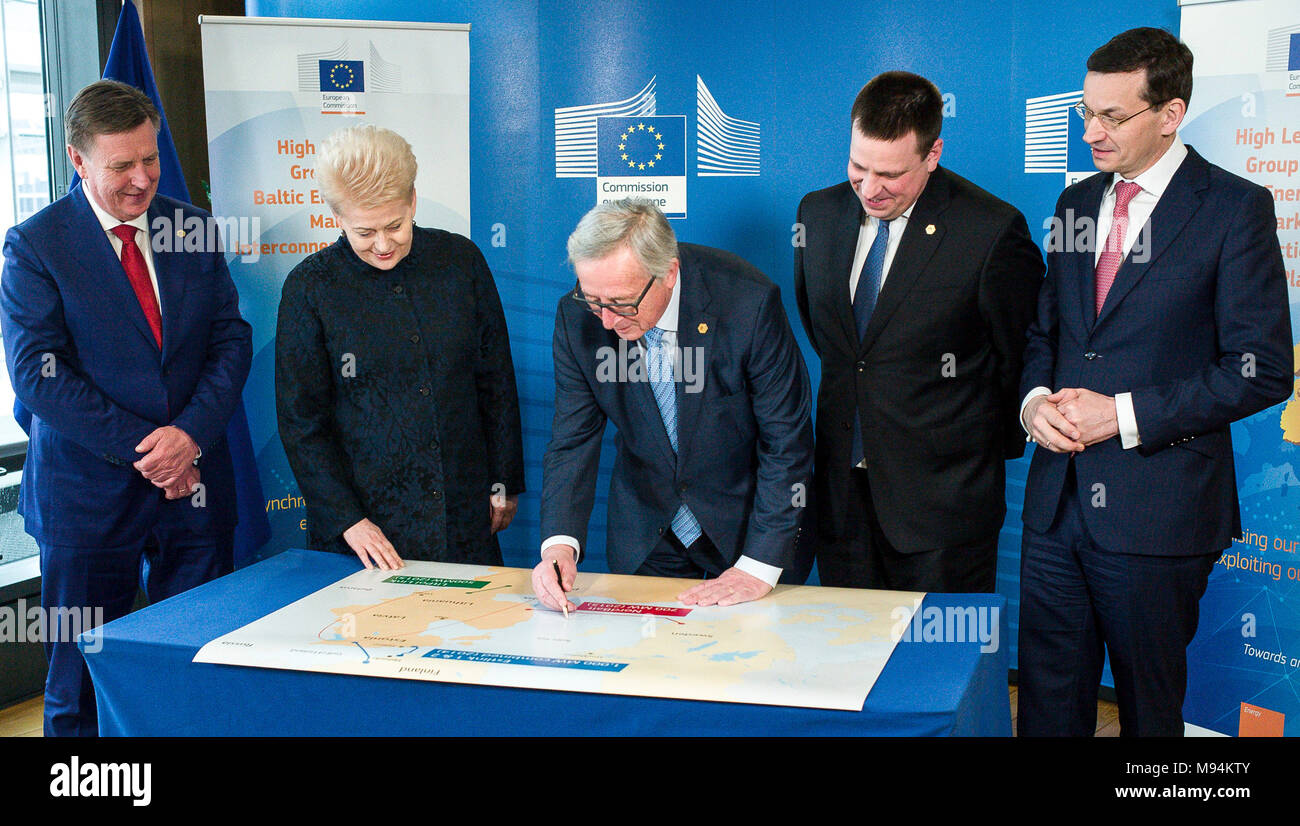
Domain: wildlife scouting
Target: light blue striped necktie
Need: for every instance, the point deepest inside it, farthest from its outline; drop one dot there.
(659, 368)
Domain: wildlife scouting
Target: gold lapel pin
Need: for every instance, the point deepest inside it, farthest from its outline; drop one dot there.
(703, 328)
(929, 229)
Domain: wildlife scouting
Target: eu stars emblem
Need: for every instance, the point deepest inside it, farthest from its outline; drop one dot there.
(342, 76)
(636, 146)
(642, 156)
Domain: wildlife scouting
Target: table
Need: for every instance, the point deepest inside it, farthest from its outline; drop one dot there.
(146, 684)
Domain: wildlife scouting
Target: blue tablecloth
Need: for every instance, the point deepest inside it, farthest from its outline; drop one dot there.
(146, 684)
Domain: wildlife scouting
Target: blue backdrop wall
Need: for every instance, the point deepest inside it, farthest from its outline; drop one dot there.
(791, 68)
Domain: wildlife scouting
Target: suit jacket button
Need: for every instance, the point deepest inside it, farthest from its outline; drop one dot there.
(1090, 355)
(862, 365)
(661, 531)
(847, 426)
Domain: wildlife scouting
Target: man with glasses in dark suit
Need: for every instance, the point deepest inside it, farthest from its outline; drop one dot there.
(1146, 348)
(688, 351)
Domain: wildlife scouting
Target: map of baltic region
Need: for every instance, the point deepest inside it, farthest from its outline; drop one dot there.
(799, 646)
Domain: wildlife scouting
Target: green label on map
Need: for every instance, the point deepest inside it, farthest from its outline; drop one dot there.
(436, 581)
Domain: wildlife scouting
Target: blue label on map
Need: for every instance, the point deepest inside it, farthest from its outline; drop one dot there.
(514, 659)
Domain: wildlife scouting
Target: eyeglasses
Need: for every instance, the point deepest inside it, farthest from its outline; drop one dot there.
(625, 309)
(1107, 122)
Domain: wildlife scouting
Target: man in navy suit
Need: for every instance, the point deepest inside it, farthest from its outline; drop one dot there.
(688, 351)
(1148, 344)
(126, 345)
(915, 287)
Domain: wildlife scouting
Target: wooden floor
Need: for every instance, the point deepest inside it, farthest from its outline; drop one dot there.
(1107, 717)
(24, 719)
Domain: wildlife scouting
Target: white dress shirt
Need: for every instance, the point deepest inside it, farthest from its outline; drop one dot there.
(668, 323)
(1154, 181)
(141, 223)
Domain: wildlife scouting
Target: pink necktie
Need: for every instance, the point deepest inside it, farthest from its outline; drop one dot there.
(1113, 253)
(138, 274)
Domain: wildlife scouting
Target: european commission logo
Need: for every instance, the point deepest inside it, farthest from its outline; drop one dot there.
(341, 77)
(1282, 49)
(642, 157)
(1054, 138)
(724, 146)
(587, 139)
(1282, 54)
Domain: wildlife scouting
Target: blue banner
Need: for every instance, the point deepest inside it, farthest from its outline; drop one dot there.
(764, 104)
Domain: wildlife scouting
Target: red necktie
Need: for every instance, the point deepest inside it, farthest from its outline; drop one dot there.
(1113, 254)
(138, 274)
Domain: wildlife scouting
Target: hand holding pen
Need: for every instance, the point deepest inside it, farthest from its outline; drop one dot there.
(554, 576)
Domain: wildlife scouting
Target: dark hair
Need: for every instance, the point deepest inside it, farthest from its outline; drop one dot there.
(895, 104)
(1167, 61)
(107, 107)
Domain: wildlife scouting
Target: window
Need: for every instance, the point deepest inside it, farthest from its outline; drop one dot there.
(24, 158)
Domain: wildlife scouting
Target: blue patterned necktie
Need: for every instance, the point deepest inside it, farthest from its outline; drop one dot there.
(864, 304)
(869, 280)
(659, 368)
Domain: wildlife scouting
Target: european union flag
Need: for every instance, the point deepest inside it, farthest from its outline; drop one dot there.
(342, 76)
(1293, 59)
(641, 146)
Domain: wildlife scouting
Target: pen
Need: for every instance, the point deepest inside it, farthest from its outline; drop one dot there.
(564, 606)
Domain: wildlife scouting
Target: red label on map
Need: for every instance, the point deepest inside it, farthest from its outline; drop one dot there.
(632, 608)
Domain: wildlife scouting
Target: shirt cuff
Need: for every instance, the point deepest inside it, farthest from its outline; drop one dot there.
(561, 539)
(1127, 420)
(1032, 394)
(768, 573)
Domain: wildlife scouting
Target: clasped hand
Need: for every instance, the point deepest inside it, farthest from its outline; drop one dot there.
(1071, 419)
(168, 461)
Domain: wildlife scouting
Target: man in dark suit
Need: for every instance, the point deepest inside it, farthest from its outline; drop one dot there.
(1154, 342)
(687, 350)
(128, 349)
(915, 287)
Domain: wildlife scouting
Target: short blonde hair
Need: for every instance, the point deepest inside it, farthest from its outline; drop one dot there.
(365, 166)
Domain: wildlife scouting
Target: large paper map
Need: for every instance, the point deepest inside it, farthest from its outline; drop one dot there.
(799, 646)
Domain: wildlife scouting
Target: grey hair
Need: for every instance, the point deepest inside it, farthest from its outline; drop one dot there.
(635, 223)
